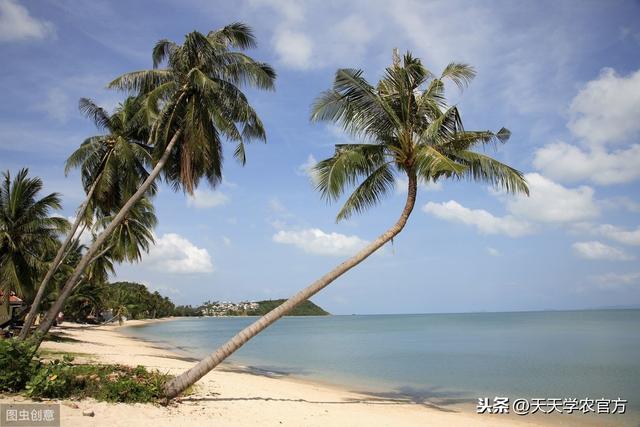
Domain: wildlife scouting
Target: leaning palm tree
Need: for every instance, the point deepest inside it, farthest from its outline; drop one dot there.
(28, 232)
(193, 102)
(408, 130)
(112, 167)
(133, 236)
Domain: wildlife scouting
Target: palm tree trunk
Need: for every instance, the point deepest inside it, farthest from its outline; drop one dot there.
(57, 261)
(49, 318)
(188, 378)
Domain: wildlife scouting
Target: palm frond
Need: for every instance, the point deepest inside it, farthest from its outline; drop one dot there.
(480, 167)
(92, 111)
(349, 163)
(368, 193)
(460, 74)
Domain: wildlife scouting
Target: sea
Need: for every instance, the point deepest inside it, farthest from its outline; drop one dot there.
(437, 358)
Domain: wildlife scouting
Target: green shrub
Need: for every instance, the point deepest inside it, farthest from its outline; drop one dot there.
(112, 383)
(53, 380)
(17, 364)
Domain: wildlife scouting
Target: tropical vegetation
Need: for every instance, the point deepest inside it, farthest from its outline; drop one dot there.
(29, 233)
(172, 127)
(189, 106)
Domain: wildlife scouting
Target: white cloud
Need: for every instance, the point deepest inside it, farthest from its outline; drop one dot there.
(550, 202)
(599, 251)
(307, 168)
(294, 48)
(173, 253)
(305, 38)
(570, 163)
(606, 110)
(493, 251)
(203, 199)
(627, 237)
(616, 280)
(17, 24)
(317, 242)
(483, 221)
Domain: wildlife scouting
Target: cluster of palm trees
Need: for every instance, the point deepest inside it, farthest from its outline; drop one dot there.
(173, 125)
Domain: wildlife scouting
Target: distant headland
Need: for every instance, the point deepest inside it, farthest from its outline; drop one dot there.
(258, 308)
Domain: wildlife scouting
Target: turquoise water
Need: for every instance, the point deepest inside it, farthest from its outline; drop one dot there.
(572, 354)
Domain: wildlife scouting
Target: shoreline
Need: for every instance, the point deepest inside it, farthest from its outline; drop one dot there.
(235, 395)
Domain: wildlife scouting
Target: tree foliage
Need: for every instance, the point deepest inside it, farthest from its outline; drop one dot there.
(406, 127)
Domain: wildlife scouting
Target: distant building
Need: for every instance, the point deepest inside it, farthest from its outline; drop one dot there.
(16, 305)
(224, 308)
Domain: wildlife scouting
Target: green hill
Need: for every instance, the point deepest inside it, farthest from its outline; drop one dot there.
(307, 308)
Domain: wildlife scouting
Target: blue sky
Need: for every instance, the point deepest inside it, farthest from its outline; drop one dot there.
(564, 77)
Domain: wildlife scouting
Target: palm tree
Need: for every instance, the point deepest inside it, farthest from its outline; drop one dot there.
(28, 232)
(133, 235)
(193, 102)
(409, 130)
(112, 166)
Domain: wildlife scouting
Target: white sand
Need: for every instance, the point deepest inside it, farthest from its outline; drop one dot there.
(227, 397)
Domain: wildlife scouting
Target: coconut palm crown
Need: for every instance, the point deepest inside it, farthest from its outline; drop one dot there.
(115, 161)
(28, 232)
(197, 96)
(408, 128)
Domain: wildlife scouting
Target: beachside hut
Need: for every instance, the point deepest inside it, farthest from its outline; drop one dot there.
(16, 305)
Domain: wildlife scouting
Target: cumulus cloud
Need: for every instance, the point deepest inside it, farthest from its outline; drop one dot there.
(17, 24)
(550, 202)
(294, 48)
(203, 199)
(570, 163)
(483, 221)
(606, 110)
(595, 250)
(621, 235)
(173, 253)
(317, 242)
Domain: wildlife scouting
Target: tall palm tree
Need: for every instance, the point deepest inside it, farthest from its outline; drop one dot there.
(410, 131)
(28, 233)
(193, 102)
(112, 167)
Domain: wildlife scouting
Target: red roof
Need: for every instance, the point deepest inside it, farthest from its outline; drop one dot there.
(12, 298)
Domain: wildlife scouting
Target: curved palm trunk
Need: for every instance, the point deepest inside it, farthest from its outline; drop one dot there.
(57, 261)
(188, 378)
(49, 318)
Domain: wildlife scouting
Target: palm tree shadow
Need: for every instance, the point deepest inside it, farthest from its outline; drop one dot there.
(433, 398)
(265, 370)
(430, 397)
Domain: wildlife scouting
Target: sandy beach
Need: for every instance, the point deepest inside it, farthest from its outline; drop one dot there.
(234, 396)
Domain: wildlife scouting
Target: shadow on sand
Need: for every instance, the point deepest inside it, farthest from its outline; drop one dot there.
(434, 397)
